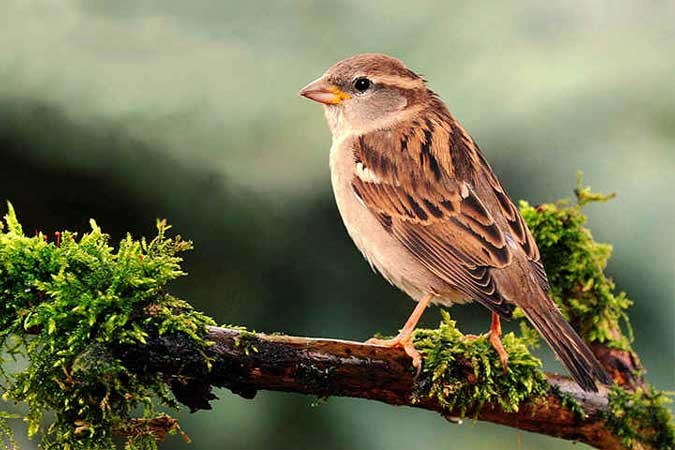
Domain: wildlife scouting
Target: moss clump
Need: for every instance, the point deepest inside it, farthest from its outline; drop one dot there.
(465, 388)
(247, 340)
(641, 417)
(575, 265)
(63, 306)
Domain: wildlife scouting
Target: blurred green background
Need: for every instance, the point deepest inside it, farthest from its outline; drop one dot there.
(135, 109)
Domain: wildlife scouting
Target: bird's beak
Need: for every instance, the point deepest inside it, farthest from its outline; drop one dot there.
(324, 92)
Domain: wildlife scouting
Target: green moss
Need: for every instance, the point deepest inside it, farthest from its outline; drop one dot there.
(465, 388)
(575, 265)
(641, 417)
(63, 305)
(247, 340)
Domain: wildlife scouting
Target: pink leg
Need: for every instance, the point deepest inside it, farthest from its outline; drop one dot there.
(496, 340)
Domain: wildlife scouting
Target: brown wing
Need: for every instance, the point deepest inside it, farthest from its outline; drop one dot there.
(463, 149)
(430, 198)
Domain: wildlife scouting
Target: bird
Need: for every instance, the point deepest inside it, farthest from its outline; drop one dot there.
(422, 204)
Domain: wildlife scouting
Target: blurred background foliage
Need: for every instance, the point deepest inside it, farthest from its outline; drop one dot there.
(135, 109)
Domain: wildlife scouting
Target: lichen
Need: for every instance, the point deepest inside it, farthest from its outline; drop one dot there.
(575, 265)
(463, 373)
(641, 418)
(63, 305)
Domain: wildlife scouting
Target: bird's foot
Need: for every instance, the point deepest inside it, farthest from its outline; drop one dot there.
(495, 336)
(496, 342)
(403, 340)
(405, 337)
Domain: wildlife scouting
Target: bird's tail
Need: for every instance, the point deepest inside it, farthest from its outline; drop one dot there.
(566, 344)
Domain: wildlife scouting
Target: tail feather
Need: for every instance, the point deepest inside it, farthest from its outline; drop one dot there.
(566, 344)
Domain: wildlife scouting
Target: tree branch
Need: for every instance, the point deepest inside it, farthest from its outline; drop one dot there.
(245, 362)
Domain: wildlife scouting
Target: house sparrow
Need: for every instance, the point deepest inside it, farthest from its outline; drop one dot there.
(426, 210)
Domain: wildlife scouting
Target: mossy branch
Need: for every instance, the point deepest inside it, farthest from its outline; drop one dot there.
(102, 343)
(246, 362)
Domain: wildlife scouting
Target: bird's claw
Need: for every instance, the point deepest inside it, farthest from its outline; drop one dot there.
(496, 342)
(405, 342)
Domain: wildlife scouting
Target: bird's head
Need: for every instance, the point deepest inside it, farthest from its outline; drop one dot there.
(368, 92)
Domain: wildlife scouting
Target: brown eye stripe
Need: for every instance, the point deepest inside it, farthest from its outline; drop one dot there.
(399, 82)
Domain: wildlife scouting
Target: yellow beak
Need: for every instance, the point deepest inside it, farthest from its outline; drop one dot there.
(324, 92)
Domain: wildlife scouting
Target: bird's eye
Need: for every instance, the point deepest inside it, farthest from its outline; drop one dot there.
(362, 84)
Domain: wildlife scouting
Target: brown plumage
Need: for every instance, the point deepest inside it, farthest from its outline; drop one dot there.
(425, 208)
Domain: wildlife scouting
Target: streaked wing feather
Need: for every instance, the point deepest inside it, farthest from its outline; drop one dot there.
(517, 227)
(439, 219)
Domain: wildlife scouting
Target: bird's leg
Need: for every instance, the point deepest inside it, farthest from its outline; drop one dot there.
(404, 338)
(495, 335)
